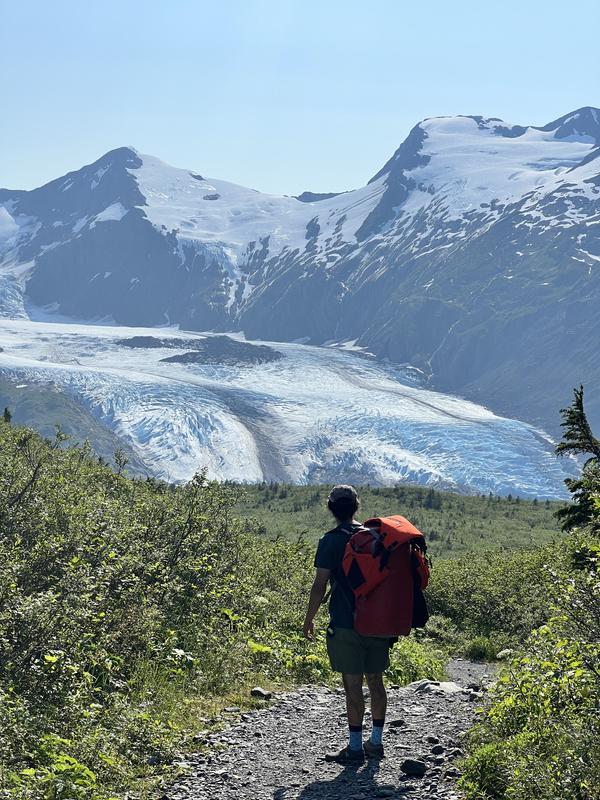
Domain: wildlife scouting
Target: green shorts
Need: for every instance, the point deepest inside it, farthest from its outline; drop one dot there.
(353, 654)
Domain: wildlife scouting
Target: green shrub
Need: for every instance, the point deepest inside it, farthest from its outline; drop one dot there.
(441, 631)
(126, 607)
(501, 595)
(544, 718)
(544, 722)
(486, 775)
(481, 648)
(119, 598)
(411, 660)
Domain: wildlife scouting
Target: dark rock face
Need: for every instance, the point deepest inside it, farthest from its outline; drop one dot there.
(314, 197)
(123, 271)
(227, 351)
(207, 350)
(151, 342)
(585, 121)
(398, 183)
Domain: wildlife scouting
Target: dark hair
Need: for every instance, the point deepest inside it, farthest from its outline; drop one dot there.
(344, 508)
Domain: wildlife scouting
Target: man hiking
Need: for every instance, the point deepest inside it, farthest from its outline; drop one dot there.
(355, 656)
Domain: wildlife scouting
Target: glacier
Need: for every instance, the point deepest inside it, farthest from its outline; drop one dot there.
(316, 414)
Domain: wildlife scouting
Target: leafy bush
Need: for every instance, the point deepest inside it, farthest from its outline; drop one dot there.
(541, 735)
(118, 599)
(501, 596)
(125, 607)
(481, 648)
(540, 738)
(411, 660)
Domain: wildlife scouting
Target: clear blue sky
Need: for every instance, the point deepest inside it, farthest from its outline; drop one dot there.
(280, 95)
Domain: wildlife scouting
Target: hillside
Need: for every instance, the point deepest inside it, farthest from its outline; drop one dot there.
(453, 524)
(472, 254)
(46, 407)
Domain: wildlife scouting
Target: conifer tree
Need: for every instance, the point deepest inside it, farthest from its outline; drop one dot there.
(7, 416)
(578, 439)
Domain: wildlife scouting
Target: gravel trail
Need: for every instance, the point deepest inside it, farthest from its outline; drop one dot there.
(277, 753)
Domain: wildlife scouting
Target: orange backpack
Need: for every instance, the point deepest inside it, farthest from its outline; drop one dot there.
(387, 569)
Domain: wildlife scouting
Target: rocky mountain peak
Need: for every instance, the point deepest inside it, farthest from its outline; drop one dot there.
(584, 123)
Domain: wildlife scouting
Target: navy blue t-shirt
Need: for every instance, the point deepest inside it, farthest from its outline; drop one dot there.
(330, 553)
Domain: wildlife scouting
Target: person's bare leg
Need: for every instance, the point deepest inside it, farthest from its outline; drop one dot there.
(378, 695)
(378, 709)
(355, 707)
(355, 701)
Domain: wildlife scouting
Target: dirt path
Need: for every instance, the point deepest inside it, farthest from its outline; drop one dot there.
(277, 753)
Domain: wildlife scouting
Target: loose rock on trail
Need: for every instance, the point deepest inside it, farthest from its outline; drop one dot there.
(278, 752)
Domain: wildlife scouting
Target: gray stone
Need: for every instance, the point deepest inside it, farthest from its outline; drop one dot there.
(505, 654)
(453, 772)
(260, 693)
(414, 767)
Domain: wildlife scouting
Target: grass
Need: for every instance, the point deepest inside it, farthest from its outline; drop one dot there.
(453, 524)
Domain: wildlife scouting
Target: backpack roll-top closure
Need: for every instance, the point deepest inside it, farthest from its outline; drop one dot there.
(396, 526)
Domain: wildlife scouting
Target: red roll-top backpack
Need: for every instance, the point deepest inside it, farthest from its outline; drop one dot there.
(387, 569)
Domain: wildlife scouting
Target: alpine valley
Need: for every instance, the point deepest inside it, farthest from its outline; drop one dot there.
(197, 323)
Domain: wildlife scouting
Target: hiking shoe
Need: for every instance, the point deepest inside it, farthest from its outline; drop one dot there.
(373, 750)
(346, 755)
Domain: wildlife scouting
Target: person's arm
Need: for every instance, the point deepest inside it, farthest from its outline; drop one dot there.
(317, 592)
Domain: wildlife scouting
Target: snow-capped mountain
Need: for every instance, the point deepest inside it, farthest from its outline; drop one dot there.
(473, 254)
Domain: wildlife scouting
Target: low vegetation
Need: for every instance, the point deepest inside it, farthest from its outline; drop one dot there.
(454, 524)
(133, 612)
(130, 612)
(540, 734)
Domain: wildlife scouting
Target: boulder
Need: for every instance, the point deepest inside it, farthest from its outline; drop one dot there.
(437, 687)
(413, 767)
(505, 654)
(260, 693)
